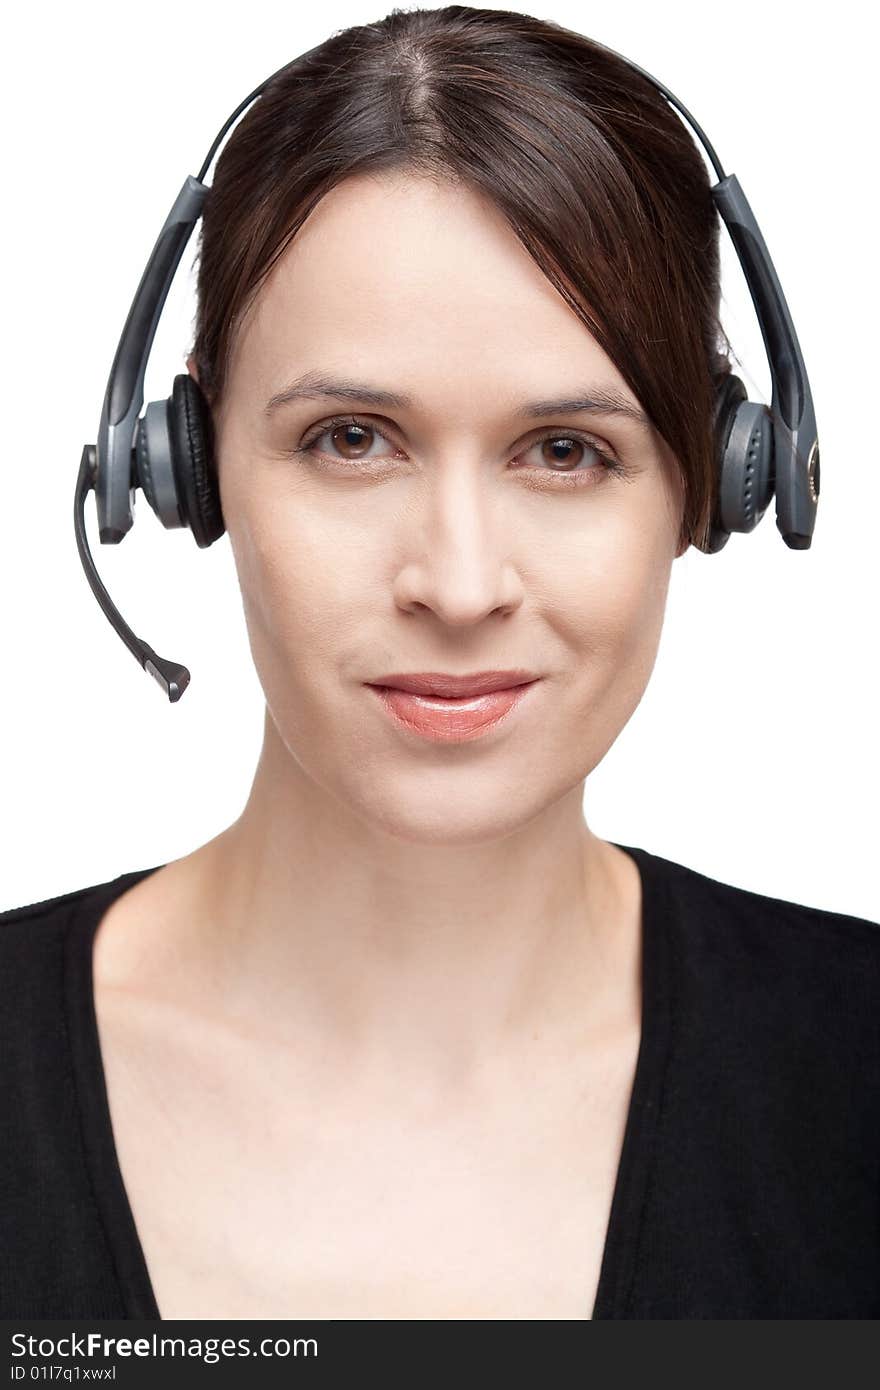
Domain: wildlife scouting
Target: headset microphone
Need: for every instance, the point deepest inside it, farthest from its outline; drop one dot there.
(173, 677)
(168, 452)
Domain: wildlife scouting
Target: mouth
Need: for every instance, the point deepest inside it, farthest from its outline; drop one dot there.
(450, 686)
(452, 718)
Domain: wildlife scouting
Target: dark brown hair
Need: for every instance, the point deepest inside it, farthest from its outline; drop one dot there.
(595, 173)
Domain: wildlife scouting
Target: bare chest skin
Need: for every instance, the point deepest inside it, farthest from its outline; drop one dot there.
(265, 1187)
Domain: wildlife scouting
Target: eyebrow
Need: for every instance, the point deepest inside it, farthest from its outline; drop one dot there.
(314, 385)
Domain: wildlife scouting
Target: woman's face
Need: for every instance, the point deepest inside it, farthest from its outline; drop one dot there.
(451, 533)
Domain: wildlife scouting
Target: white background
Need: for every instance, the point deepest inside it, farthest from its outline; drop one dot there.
(754, 755)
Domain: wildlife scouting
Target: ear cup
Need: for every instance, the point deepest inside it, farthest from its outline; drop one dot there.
(743, 434)
(155, 475)
(143, 463)
(193, 461)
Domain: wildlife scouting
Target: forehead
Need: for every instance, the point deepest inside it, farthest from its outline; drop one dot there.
(422, 283)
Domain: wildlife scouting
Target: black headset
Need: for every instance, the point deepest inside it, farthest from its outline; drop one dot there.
(168, 451)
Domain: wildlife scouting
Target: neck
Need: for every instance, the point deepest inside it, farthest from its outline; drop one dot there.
(433, 957)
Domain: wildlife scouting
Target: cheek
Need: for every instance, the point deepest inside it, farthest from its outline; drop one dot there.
(307, 600)
(609, 614)
(295, 579)
(608, 584)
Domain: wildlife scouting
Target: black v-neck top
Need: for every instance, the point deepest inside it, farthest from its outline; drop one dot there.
(749, 1177)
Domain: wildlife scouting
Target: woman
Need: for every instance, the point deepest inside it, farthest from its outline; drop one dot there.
(407, 1039)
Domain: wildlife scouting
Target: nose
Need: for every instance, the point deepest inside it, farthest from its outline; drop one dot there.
(459, 561)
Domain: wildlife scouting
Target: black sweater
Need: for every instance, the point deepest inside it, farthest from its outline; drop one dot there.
(749, 1180)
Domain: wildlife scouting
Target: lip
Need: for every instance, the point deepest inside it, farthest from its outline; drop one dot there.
(441, 683)
(446, 719)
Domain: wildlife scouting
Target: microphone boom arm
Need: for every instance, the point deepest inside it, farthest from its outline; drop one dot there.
(172, 677)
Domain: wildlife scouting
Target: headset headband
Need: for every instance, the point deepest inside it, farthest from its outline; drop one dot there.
(110, 467)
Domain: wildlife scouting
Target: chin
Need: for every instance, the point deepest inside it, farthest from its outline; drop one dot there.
(430, 816)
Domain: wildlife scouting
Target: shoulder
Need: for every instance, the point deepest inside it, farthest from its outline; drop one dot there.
(31, 937)
(45, 990)
(749, 962)
(711, 909)
(34, 925)
(33, 934)
(47, 911)
(44, 912)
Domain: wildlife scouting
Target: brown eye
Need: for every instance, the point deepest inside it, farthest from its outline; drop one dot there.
(351, 439)
(573, 459)
(562, 451)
